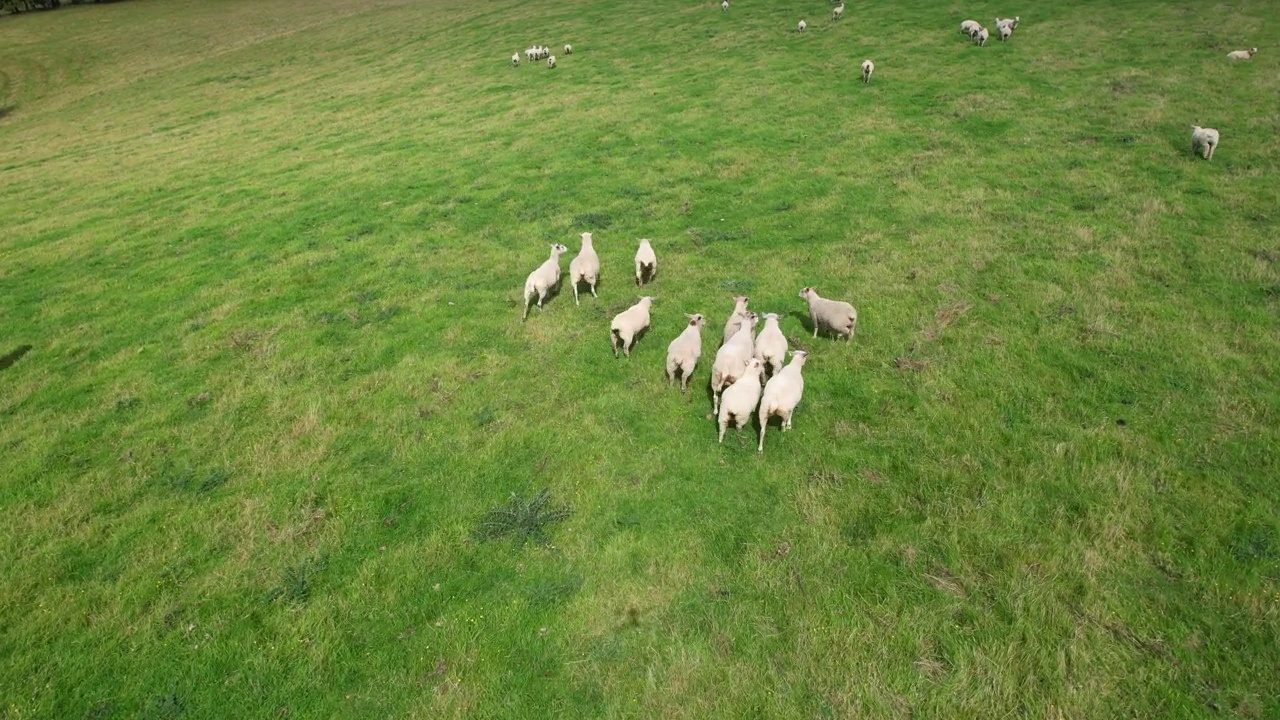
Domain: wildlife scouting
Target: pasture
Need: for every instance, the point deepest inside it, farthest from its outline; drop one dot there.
(268, 258)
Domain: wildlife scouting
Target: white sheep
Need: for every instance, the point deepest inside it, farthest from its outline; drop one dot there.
(731, 359)
(868, 67)
(981, 37)
(646, 263)
(628, 325)
(736, 317)
(771, 344)
(568, 49)
(515, 59)
(803, 25)
(782, 394)
(543, 279)
(1205, 140)
(551, 62)
(969, 27)
(724, 6)
(1242, 54)
(684, 351)
(1011, 22)
(740, 398)
(835, 315)
(1005, 31)
(585, 267)
(837, 12)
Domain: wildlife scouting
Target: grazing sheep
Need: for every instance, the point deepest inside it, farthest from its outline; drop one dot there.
(1205, 140)
(837, 12)
(724, 5)
(628, 325)
(969, 27)
(736, 318)
(585, 268)
(981, 37)
(1242, 54)
(551, 62)
(740, 398)
(731, 359)
(771, 344)
(782, 395)
(803, 25)
(1005, 31)
(568, 49)
(541, 280)
(835, 315)
(684, 351)
(646, 263)
(515, 59)
(868, 67)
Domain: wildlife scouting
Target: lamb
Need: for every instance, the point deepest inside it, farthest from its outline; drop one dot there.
(981, 37)
(585, 268)
(969, 27)
(740, 398)
(1005, 31)
(1205, 140)
(541, 281)
(724, 5)
(629, 324)
(803, 25)
(736, 317)
(782, 395)
(684, 351)
(515, 59)
(837, 12)
(731, 360)
(1242, 54)
(551, 62)
(568, 49)
(1012, 23)
(771, 344)
(868, 67)
(646, 263)
(835, 315)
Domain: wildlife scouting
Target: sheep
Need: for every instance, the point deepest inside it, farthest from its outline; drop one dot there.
(1012, 23)
(1005, 31)
(868, 67)
(1205, 140)
(515, 59)
(969, 27)
(540, 281)
(568, 49)
(646, 263)
(585, 268)
(551, 62)
(771, 344)
(981, 37)
(782, 394)
(628, 325)
(736, 317)
(1242, 54)
(731, 359)
(803, 25)
(684, 351)
(724, 6)
(837, 12)
(740, 398)
(835, 315)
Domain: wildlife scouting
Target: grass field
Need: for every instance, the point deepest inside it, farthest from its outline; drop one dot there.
(268, 257)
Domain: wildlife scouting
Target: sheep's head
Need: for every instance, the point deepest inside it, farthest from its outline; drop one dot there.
(586, 238)
(798, 357)
(557, 248)
(1252, 51)
(771, 317)
(646, 300)
(695, 320)
(808, 293)
(740, 302)
(755, 366)
(751, 318)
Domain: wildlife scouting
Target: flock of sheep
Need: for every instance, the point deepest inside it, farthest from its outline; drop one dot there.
(744, 357)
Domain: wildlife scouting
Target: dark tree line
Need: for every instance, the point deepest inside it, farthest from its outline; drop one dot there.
(17, 6)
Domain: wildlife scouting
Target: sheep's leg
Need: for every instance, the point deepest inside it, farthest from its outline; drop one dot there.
(638, 274)
(575, 292)
(593, 289)
(1211, 149)
(613, 341)
(626, 347)
(815, 331)
(527, 297)
(723, 426)
(715, 402)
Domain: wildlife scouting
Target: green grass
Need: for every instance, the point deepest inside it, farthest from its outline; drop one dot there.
(268, 258)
